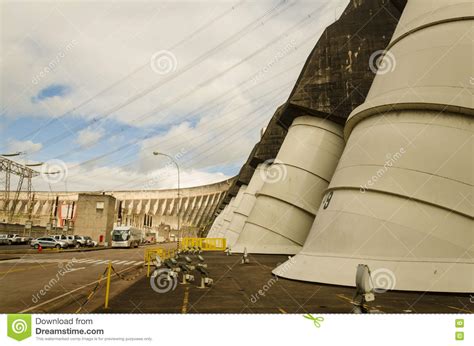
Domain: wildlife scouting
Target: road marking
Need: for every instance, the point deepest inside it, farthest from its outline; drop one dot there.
(82, 260)
(25, 269)
(90, 261)
(74, 269)
(462, 310)
(184, 308)
(67, 293)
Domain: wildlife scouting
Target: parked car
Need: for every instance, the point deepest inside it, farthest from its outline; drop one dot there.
(83, 240)
(3, 239)
(72, 242)
(16, 239)
(61, 237)
(48, 242)
(92, 242)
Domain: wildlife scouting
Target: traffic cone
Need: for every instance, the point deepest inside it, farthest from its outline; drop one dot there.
(40, 248)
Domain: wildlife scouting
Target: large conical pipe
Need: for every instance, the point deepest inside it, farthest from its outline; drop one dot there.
(216, 225)
(228, 210)
(294, 185)
(245, 206)
(228, 234)
(400, 200)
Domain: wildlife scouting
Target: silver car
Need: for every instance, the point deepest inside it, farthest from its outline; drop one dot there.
(48, 242)
(3, 239)
(83, 240)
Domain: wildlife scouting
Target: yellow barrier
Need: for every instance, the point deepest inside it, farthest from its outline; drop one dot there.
(107, 289)
(150, 255)
(206, 244)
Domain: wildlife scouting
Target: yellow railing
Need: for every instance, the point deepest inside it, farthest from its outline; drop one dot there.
(206, 244)
(150, 255)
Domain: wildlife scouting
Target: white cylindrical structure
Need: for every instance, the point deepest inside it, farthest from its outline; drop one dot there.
(227, 212)
(400, 199)
(216, 225)
(293, 187)
(245, 206)
(229, 235)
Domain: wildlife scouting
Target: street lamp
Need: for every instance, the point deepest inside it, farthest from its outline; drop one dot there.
(156, 153)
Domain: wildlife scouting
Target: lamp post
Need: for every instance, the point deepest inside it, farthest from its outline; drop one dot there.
(156, 153)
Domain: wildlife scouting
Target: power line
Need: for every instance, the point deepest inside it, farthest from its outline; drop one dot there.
(136, 70)
(208, 81)
(235, 37)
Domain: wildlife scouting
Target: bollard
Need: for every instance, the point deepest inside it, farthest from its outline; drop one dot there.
(148, 269)
(109, 271)
(40, 248)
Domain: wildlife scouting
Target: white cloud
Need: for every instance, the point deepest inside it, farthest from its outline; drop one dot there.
(89, 137)
(101, 42)
(27, 147)
(114, 179)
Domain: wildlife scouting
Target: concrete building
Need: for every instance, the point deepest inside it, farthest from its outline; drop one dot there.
(95, 217)
(151, 210)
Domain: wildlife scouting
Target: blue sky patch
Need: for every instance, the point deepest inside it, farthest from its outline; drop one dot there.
(52, 90)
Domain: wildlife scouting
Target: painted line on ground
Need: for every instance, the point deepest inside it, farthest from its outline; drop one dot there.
(68, 293)
(184, 308)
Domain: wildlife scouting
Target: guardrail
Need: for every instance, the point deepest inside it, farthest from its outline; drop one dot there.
(206, 244)
(150, 255)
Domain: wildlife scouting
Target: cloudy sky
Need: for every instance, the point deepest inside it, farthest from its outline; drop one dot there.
(93, 88)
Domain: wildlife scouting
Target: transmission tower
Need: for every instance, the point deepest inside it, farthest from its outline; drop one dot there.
(24, 174)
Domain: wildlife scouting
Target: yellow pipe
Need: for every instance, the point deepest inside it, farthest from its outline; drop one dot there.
(109, 271)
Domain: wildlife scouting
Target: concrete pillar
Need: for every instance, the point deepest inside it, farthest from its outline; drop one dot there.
(400, 200)
(230, 235)
(245, 206)
(293, 187)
